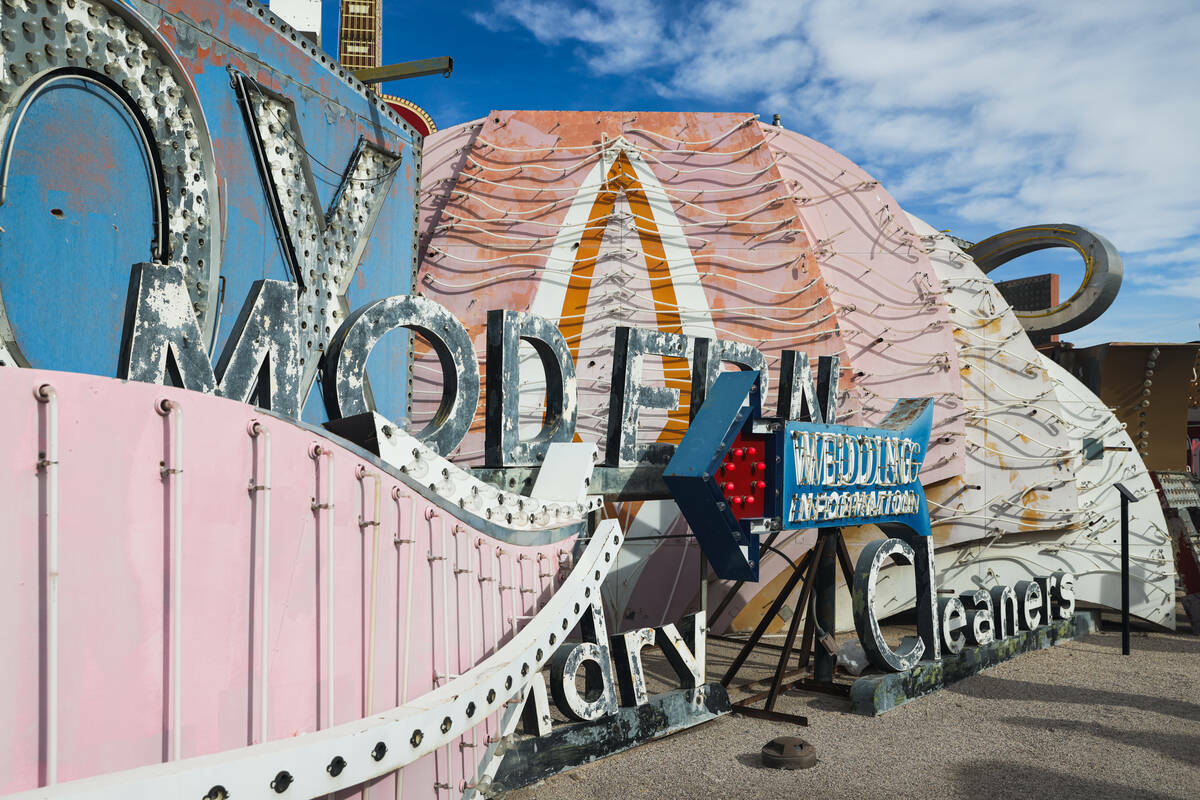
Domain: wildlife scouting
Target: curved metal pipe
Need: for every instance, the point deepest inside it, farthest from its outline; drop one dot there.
(48, 465)
(1103, 271)
(174, 414)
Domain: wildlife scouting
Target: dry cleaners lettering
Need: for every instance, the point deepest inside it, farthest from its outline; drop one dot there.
(975, 617)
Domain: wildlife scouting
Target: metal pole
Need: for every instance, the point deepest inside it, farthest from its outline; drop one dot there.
(826, 608)
(761, 628)
(1127, 497)
(48, 465)
(1124, 574)
(704, 609)
(442, 65)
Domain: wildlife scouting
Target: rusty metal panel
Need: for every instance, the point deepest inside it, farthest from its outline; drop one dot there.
(1147, 384)
(172, 172)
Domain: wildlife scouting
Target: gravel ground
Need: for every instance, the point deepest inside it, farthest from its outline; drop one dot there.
(1077, 720)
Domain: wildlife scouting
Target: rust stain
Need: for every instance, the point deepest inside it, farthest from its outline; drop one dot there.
(518, 171)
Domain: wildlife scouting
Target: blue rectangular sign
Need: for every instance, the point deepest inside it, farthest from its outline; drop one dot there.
(839, 475)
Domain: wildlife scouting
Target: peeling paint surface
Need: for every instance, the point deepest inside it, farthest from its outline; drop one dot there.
(166, 70)
(446, 595)
(346, 371)
(715, 225)
(533, 759)
(191, 158)
(507, 330)
(876, 694)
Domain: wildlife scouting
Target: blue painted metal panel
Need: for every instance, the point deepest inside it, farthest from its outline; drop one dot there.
(732, 404)
(64, 278)
(78, 215)
(840, 490)
(862, 475)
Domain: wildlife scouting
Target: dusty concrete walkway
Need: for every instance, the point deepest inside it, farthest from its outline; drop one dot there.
(1076, 721)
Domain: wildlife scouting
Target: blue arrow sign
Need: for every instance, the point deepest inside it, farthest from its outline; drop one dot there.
(818, 475)
(732, 404)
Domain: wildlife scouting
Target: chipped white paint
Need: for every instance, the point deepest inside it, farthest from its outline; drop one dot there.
(459, 487)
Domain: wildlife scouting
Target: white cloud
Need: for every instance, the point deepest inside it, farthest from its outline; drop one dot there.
(616, 36)
(991, 116)
(1184, 255)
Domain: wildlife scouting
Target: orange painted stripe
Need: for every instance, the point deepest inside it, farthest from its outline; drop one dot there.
(621, 178)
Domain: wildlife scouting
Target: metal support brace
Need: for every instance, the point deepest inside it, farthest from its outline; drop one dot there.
(817, 569)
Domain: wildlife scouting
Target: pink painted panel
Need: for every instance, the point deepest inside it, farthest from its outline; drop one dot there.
(115, 610)
(891, 309)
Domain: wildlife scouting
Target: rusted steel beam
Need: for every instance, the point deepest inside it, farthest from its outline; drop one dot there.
(824, 602)
(442, 65)
(846, 562)
(742, 640)
(806, 641)
(824, 687)
(792, 679)
(732, 593)
(782, 597)
(748, 684)
(822, 554)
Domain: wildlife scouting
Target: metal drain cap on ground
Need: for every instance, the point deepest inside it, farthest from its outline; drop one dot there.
(789, 752)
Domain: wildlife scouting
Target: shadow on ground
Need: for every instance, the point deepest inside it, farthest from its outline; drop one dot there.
(990, 687)
(752, 760)
(1181, 747)
(997, 779)
(1142, 642)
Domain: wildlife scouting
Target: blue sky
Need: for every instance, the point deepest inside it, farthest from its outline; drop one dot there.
(978, 118)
